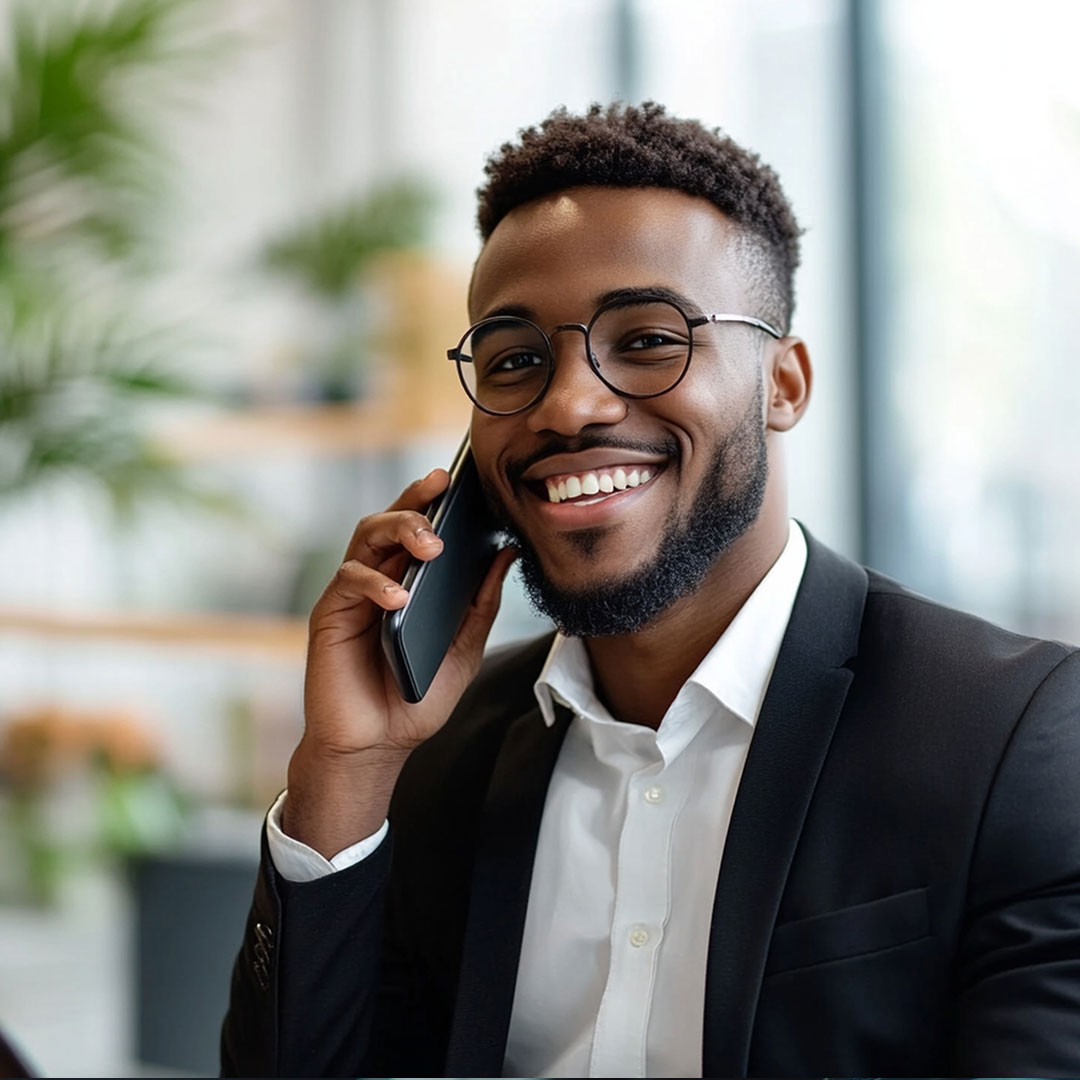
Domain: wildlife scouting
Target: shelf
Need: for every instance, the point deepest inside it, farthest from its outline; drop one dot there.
(270, 637)
(323, 430)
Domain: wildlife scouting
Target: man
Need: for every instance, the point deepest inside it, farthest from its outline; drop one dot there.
(755, 810)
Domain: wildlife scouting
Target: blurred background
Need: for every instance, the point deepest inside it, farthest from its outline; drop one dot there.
(234, 242)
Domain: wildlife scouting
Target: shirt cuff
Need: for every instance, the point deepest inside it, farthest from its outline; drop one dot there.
(295, 861)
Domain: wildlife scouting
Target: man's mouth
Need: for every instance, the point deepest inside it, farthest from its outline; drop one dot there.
(596, 484)
(583, 486)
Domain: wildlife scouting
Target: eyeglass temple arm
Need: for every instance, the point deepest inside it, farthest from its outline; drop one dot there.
(761, 324)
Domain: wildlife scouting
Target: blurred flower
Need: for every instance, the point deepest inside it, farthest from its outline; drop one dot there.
(39, 746)
(82, 788)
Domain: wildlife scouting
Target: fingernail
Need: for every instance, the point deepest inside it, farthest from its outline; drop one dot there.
(393, 590)
(426, 536)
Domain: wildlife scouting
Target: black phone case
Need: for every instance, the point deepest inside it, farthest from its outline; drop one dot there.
(415, 638)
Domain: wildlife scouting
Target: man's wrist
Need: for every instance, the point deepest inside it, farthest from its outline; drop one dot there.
(297, 862)
(335, 800)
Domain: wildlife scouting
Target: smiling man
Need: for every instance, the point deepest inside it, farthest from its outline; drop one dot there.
(620, 504)
(754, 810)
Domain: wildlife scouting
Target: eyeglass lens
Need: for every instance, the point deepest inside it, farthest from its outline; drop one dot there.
(640, 349)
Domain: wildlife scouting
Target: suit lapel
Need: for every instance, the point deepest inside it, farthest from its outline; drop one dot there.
(502, 875)
(805, 696)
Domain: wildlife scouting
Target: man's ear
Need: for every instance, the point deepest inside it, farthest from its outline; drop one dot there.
(788, 376)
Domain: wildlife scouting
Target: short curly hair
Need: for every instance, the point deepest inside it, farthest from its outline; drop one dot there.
(642, 146)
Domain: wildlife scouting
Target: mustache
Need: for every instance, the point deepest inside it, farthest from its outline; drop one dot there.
(557, 444)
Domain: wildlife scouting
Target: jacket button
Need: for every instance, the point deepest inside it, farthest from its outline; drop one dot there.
(264, 946)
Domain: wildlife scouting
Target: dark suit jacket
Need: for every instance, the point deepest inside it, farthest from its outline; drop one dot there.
(899, 892)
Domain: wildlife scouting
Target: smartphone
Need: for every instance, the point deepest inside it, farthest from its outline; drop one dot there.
(415, 638)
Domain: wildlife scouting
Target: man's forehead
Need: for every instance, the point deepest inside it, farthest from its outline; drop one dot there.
(560, 215)
(593, 239)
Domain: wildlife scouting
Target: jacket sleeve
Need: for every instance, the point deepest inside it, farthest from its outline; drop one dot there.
(305, 982)
(1018, 1004)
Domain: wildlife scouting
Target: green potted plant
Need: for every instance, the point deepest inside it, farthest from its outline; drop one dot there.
(82, 180)
(327, 255)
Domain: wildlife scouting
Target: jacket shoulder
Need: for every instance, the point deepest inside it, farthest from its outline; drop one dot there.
(928, 627)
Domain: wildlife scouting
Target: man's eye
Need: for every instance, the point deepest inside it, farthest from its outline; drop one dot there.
(652, 339)
(517, 362)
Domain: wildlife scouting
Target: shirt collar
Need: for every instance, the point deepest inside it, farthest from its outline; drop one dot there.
(736, 670)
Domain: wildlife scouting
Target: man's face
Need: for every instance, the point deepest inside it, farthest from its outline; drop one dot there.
(610, 562)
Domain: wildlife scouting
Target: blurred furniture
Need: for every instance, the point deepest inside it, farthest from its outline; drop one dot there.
(277, 637)
(189, 921)
(11, 1064)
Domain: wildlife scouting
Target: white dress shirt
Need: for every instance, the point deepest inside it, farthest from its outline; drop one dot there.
(611, 980)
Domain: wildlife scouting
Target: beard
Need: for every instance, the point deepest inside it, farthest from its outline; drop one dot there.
(726, 505)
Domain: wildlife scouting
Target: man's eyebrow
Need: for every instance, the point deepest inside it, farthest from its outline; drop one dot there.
(516, 311)
(649, 292)
(628, 295)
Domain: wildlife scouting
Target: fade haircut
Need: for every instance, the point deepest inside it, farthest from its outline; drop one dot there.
(641, 146)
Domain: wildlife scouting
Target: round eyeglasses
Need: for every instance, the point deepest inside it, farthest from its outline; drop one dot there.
(639, 348)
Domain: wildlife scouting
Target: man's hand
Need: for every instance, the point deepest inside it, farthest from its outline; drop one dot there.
(358, 729)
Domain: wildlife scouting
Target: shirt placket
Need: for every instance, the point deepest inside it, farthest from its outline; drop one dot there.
(642, 876)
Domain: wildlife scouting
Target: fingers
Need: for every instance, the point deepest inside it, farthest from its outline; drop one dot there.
(402, 525)
(383, 535)
(356, 584)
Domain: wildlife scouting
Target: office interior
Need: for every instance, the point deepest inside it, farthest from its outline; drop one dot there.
(235, 239)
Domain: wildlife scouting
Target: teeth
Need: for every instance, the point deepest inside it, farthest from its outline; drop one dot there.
(593, 483)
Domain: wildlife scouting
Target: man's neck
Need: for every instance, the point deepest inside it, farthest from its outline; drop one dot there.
(638, 676)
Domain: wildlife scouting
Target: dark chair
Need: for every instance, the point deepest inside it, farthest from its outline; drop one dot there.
(10, 1063)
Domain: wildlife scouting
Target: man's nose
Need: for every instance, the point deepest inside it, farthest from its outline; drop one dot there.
(575, 397)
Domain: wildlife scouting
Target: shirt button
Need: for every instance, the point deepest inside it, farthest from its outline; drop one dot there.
(639, 936)
(654, 795)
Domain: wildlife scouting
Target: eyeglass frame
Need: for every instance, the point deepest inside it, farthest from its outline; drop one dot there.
(454, 353)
